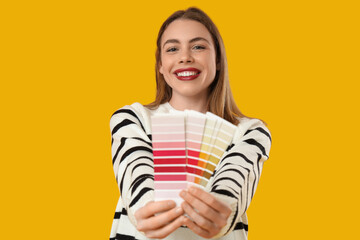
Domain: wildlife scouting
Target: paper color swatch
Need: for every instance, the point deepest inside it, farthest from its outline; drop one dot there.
(169, 150)
(187, 146)
(195, 124)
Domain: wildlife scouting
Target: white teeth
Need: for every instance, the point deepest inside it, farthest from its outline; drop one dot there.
(186, 73)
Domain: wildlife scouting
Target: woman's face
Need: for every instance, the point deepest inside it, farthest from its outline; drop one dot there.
(188, 58)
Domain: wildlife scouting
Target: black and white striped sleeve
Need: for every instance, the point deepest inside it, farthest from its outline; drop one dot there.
(238, 172)
(132, 159)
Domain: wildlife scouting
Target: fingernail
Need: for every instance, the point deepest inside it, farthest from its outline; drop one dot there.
(183, 193)
(178, 210)
(171, 203)
(139, 226)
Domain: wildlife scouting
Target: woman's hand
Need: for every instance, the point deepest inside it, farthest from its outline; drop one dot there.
(208, 214)
(159, 219)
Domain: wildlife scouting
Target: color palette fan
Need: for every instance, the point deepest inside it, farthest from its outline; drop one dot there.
(187, 146)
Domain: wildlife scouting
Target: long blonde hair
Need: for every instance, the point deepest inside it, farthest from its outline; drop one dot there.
(220, 101)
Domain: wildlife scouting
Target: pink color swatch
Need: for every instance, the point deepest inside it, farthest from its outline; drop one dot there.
(169, 150)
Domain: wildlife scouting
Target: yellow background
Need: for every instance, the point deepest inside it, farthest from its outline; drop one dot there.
(66, 66)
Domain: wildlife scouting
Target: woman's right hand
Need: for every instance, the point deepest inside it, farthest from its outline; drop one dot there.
(159, 219)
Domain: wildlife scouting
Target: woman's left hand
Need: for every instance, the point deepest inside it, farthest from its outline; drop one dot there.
(209, 215)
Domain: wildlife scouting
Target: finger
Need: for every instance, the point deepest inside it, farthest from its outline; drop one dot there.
(205, 210)
(167, 229)
(210, 200)
(160, 220)
(218, 218)
(154, 207)
(196, 229)
(201, 221)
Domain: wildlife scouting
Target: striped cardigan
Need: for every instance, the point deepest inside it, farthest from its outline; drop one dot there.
(234, 181)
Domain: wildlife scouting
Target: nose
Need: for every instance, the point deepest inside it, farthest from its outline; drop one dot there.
(186, 57)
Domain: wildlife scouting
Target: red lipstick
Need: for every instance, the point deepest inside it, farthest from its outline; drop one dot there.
(187, 74)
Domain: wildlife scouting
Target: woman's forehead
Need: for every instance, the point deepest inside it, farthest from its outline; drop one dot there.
(185, 30)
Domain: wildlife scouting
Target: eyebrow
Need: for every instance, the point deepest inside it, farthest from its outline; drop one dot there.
(191, 41)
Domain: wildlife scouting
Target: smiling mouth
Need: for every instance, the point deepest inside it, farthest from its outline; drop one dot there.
(187, 73)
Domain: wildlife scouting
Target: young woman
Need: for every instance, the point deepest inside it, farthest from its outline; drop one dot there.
(191, 73)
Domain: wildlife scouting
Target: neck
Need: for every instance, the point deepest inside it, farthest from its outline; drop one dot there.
(182, 103)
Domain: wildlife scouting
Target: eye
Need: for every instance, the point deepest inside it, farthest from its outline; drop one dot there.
(171, 49)
(198, 47)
